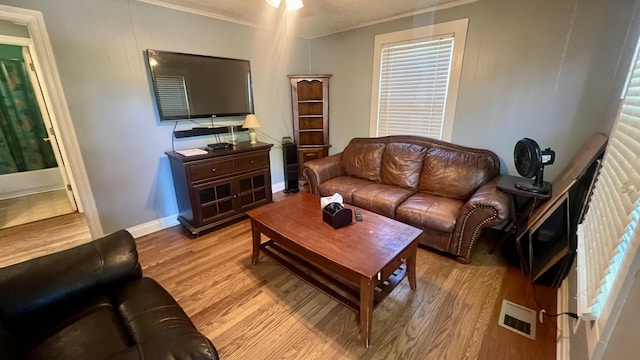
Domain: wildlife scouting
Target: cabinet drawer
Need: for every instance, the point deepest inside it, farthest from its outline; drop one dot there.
(310, 154)
(210, 169)
(251, 162)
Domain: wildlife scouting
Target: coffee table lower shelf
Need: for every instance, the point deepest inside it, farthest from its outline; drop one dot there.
(341, 290)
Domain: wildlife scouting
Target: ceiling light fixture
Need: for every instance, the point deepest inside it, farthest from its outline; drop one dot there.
(291, 4)
(274, 3)
(294, 4)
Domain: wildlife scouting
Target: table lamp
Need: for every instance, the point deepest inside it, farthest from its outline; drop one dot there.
(251, 122)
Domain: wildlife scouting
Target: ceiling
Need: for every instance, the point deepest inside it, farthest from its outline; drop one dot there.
(316, 18)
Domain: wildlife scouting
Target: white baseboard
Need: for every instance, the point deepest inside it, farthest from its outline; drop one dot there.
(30, 182)
(153, 226)
(30, 191)
(277, 187)
(172, 220)
(564, 329)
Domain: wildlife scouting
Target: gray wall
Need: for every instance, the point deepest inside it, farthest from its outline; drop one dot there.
(99, 46)
(540, 69)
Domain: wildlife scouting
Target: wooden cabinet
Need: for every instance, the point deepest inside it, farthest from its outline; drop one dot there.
(220, 186)
(310, 101)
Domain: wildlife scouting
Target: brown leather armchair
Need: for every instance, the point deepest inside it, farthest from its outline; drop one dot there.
(91, 302)
(447, 190)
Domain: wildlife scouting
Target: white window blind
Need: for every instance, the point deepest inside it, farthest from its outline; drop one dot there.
(414, 78)
(172, 95)
(608, 238)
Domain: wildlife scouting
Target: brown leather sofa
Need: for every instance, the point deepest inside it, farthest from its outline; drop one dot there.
(448, 191)
(91, 302)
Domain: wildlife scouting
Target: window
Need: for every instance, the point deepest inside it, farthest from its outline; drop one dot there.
(609, 236)
(415, 80)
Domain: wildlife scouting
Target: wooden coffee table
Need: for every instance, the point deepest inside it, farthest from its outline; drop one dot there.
(357, 265)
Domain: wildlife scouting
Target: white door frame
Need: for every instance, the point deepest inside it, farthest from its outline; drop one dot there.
(58, 110)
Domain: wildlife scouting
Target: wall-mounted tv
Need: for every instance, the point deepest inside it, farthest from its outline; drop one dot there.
(196, 86)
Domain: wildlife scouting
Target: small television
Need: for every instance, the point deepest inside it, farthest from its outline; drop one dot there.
(196, 86)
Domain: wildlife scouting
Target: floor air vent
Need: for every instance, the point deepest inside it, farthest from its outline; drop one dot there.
(518, 319)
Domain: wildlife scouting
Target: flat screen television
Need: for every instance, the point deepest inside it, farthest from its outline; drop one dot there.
(196, 86)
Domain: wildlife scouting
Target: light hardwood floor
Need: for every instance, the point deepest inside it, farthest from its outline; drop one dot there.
(27, 241)
(264, 312)
(36, 207)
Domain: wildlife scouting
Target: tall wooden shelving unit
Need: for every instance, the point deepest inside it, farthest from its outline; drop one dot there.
(310, 102)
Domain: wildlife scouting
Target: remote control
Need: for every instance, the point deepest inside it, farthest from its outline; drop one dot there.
(358, 215)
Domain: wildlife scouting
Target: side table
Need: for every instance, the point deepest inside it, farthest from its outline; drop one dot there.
(520, 213)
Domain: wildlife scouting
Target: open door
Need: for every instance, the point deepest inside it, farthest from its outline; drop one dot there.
(33, 76)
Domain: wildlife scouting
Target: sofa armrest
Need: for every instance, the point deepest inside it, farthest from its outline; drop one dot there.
(488, 195)
(53, 282)
(487, 207)
(320, 170)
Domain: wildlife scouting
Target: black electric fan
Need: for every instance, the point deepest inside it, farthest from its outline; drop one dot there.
(530, 161)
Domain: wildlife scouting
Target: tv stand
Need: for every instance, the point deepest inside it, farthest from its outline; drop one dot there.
(220, 186)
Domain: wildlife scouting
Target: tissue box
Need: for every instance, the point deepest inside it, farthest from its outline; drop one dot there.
(337, 215)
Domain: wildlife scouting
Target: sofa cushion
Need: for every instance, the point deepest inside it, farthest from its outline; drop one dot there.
(92, 333)
(343, 185)
(455, 174)
(430, 211)
(363, 160)
(401, 165)
(380, 198)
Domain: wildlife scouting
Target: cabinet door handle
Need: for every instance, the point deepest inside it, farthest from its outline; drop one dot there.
(252, 161)
(213, 170)
(309, 154)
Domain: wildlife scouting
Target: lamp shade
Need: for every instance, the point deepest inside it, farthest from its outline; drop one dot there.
(251, 122)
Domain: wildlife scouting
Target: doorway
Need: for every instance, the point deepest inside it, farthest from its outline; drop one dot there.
(33, 180)
(30, 24)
